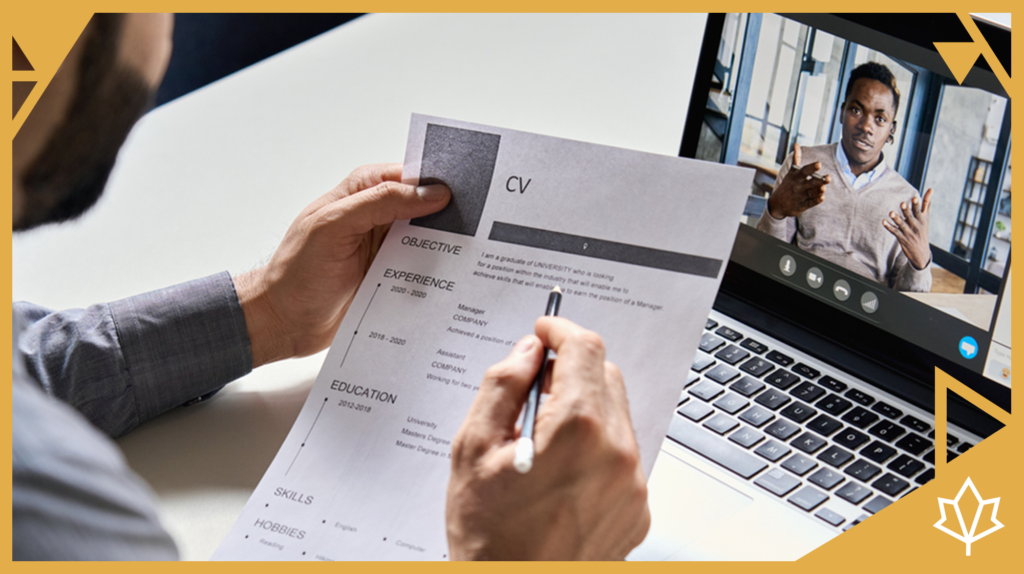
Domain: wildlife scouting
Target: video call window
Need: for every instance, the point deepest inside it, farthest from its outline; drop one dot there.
(778, 82)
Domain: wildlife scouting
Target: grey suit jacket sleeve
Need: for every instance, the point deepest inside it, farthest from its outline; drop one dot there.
(125, 362)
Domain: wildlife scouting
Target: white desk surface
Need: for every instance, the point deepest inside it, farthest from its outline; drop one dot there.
(210, 182)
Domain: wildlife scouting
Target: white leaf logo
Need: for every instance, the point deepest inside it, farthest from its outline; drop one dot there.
(968, 536)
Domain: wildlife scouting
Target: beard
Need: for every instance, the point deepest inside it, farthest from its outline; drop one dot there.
(69, 174)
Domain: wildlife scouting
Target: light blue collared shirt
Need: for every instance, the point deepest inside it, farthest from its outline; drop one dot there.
(857, 182)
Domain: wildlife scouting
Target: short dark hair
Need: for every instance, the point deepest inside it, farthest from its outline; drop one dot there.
(877, 72)
(68, 175)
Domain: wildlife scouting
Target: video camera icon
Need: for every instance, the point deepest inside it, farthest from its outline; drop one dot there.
(968, 347)
(815, 277)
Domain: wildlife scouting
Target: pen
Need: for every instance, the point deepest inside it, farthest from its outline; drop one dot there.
(523, 460)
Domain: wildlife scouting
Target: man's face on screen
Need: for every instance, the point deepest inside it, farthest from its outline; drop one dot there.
(868, 117)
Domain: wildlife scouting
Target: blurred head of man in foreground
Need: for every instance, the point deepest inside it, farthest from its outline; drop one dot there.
(65, 150)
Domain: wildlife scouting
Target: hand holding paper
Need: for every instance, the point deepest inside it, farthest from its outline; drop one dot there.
(586, 496)
(294, 304)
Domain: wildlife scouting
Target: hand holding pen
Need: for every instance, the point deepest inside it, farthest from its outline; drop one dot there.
(523, 460)
(585, 496)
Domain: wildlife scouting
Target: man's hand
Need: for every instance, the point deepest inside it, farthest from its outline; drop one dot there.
(586, 496)
(294, 304)
(911, 230)
(799, 191)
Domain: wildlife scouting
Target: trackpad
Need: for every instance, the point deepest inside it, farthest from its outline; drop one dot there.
(685, 504)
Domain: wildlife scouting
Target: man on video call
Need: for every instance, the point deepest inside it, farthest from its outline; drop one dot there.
(842, 203)
(81, 376)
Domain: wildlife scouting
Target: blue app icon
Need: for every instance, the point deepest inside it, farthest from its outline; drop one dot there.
(968, 347)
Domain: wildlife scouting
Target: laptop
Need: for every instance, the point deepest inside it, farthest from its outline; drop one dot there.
(809, 405)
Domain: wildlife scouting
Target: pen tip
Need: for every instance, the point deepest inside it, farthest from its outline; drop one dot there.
(557, 289)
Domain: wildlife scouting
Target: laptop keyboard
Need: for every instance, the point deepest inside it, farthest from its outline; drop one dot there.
(760, 411)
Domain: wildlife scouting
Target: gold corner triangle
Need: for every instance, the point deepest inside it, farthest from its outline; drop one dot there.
(959, 57)
(20, 93)
(21, 63)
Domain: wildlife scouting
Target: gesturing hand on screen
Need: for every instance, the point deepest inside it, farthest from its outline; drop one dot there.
(910, 226)
(799, 191)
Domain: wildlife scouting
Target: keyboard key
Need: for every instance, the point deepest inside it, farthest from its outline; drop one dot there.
(824, 425)
(878, 452)
(835, 456)
(782, 429)
(799, 464)
(907, 493)
(807, 392)
(757, 366)
(716, 449)
(746, 437)
(826, 478)
(701, 362)
(858, 397)
(851, 438)
(722, 374)
(721, 423)
(916, 424)
(709, 342)
(832, 384)
(729, 334)
(772, 450)
(964, 447)
(930, 457)
(731, 403)
(887, 431)
(831, 517)
(782, 379)
(890, 484)
(805, 371)
(859, 519)
(853, 493)
(798, 412)
(877, 504)
(777, 482)
(705, 390)
(756, 416)
(695, 410)
(691, 378)
(862, 470)
(914, 443)
(925, 477)
(779, 358)
(732, 354)
(747, 386)
(860, 418)
(834, 405)
(808, 442)
(772, 399)
(808, 498)
(905, 466)
(950, 439)
(752, 345)
(711, 324)
(887, 410)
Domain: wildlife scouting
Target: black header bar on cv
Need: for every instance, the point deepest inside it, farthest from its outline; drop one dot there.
(607, 250)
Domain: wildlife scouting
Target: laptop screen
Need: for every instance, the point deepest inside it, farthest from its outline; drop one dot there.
(870, 101)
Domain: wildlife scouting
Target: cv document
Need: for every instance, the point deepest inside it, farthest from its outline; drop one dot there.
(638, 244)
